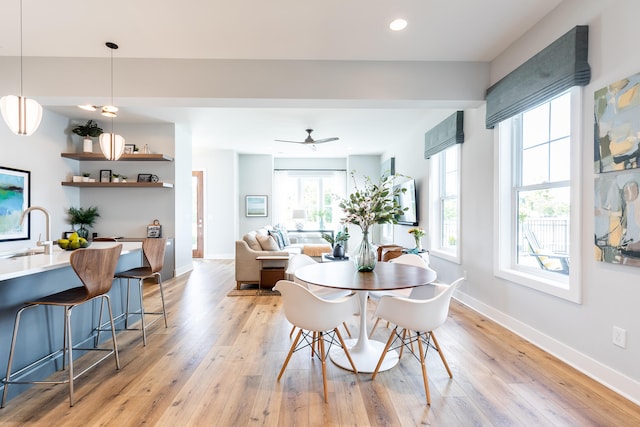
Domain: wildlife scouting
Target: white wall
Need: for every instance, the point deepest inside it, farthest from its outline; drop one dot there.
(182, 200)
(578, 333)
(255, 178)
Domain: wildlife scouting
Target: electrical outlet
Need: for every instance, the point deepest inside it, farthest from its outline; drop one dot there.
(620, 337)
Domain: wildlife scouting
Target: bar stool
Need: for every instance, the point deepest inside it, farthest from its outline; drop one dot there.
(95, 268)
(153, 250)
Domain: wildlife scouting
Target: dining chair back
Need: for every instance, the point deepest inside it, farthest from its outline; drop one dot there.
(415, 321)
(317, 319)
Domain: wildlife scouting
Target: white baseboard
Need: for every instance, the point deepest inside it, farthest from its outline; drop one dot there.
(184, 269)
(605, 375)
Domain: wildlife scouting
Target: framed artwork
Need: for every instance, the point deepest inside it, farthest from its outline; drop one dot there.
(617, 125)
(256, 205)
(15, 197)
(144, 177)
(105, 175)
(129, 148)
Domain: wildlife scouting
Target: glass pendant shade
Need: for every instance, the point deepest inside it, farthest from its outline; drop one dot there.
(112, 145)
(109, 111)
(22, 115)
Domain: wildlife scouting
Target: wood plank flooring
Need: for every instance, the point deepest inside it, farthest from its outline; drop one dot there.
(217, 363)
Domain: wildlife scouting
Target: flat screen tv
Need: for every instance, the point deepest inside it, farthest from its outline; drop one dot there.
(408, 199)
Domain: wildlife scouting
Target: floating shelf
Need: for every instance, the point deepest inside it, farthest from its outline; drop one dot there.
(120, 184)
(124, 158)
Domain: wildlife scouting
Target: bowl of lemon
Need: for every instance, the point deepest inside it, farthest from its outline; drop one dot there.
(73, 242)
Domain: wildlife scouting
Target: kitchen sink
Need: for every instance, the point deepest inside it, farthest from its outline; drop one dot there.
(20, 254)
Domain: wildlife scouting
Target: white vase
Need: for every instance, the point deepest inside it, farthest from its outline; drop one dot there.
(87, 145)
(115, 179)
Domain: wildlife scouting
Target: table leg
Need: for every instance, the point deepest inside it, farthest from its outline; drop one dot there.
(364, 352)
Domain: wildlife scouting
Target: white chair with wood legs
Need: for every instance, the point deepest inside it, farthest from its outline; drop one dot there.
(95, 268)
(416, 320)
(153, 250)
(419, 292)
(300, 260)
(318, 320)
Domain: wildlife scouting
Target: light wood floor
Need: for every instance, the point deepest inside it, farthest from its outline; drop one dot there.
(216, 365)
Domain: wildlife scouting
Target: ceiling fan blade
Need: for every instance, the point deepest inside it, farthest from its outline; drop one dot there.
(320, 141)
(292, 142)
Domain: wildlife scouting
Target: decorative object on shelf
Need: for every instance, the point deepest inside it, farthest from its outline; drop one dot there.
(154, 229)
(111, 144)
(129, 148)
(105, 175)
(418, 233)
(123, 178)
(337, 242)
(256, 205)
(146, 150)
(144, 177)
(155, 178)
(86, 176)
(87, 131)
(115, 177)
(299, 216)
(374, 204)
(83, 217)
(21, 114)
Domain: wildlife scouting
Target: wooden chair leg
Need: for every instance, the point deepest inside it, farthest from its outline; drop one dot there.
(293, 329)
(374, 327)
(324, 365)
(346, 329)
(291, 350)
(424, 370)
(346, 351)
(384, 353)
(446, 365)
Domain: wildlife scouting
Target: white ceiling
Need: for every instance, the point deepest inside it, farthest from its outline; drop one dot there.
(451, 30)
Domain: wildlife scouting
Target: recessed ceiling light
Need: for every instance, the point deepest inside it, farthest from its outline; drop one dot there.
(398, 24)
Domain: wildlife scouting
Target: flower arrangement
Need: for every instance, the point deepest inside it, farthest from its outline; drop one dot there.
(417, 232)
(373, 204)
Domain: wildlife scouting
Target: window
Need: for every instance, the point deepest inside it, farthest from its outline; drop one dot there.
(539, 161)
(445, 204)
(305, 199)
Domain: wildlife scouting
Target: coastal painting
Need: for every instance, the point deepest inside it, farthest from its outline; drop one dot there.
(617, 125)
(14, 199)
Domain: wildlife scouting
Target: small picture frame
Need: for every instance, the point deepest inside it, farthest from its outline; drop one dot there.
(256, 205)
(144, 177)
(129, 148)
(105, 175)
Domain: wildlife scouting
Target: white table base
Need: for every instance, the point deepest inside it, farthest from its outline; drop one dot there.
(364, 352)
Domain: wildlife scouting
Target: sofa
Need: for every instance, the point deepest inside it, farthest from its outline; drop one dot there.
(270, 241)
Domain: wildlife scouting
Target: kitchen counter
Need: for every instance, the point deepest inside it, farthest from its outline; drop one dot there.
(11, 268)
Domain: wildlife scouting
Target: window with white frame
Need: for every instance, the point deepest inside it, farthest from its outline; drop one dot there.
(539, 161)
(444, 227)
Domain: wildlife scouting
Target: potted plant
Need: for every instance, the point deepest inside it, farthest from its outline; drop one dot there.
(87, 131)
(85, 176)
(115, 177)
(84, 217)
(337, 242)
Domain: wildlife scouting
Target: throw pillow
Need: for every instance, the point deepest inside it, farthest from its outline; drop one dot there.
(252, 241)
(278, 237)
(267, 243)
(285, 236)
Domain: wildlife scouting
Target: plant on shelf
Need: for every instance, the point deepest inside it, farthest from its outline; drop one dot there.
(89, 129)
(337, 242)
(83, 217)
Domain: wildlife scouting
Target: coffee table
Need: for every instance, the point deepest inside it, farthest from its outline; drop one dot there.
(385, 277)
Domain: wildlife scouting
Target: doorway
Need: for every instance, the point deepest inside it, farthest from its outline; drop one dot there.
(197, 222)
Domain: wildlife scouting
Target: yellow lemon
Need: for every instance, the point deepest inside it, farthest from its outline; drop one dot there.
(63, 243)
(73, 236)
(83, 242)
(74, 244)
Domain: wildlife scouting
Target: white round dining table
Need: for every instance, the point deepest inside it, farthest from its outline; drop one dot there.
(385, 277)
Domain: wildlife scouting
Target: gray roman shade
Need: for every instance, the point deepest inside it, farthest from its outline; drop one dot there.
(443, 135)
(559, 66)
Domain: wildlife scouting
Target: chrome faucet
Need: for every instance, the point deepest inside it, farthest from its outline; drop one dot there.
(48, 243)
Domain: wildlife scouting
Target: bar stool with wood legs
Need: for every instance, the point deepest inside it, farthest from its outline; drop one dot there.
(153, 250)
(95, 268)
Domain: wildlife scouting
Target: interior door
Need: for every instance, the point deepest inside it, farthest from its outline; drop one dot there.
(197, 224)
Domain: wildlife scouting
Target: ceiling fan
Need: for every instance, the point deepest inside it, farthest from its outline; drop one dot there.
(310, 141)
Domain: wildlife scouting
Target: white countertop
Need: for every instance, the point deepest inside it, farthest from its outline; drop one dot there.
(23, 266)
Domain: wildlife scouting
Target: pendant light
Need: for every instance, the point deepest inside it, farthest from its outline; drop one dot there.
(22, 115)
(112, 145)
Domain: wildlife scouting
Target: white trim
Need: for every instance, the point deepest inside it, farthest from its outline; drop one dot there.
(184, 269)
(605, 375)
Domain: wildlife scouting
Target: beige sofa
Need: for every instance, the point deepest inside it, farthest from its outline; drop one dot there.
(255, 244)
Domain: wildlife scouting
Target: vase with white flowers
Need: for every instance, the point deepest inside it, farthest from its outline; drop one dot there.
(376, 203)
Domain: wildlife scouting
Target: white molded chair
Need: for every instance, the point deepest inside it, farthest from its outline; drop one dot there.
(318, 320)
(416, 320)
(301, 260)
(419, 292)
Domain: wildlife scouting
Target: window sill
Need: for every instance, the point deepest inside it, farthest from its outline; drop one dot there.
(545, 282)
(449, 256)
